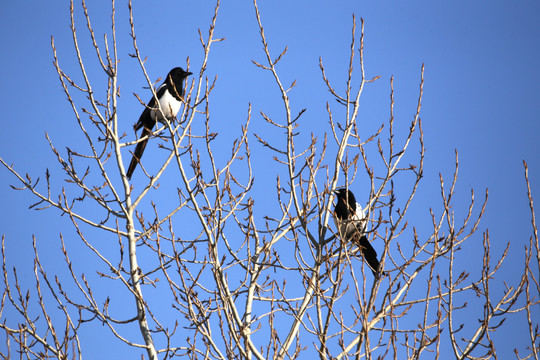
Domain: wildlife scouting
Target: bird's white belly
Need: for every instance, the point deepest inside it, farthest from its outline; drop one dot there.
(169, 107)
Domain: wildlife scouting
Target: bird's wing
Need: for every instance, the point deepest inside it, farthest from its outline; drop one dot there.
(161, 90)
(145, 120)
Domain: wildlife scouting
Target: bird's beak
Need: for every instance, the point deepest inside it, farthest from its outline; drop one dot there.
(189, 73)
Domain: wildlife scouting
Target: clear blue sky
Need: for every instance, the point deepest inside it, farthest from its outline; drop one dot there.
(480, 96)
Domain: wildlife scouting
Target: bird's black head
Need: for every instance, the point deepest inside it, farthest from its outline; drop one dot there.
(344, 197)
(177, 75)
(175, 80)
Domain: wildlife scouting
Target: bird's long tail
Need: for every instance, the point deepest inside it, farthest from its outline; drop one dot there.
(139, 150)
(370, 255)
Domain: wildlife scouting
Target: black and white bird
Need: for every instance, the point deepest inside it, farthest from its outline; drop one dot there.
(350, 222)
(169, 96)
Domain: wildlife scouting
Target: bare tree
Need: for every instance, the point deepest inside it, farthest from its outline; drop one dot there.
(237, 285)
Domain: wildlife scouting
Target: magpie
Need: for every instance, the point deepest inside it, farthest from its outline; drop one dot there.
(350, 222)
(169, 95)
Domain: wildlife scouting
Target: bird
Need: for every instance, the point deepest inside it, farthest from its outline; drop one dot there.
(169, 95)
(350, 222)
